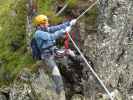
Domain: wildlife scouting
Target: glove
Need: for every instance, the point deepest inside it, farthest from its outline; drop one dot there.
(73, 22)
(68, 29)
(70, 52)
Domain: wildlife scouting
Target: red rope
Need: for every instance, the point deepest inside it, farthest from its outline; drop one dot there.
(73, 37)
(66, 41)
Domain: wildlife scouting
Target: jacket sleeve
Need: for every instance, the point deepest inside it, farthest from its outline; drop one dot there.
(53, 29)
(57, 34)
(50, 36)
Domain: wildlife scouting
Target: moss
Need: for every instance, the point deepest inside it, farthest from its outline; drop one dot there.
(13, 30)
(45, 7)
(91, 16)
(72, 3)
(13, 52)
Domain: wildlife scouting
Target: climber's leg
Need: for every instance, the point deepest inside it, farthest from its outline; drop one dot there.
(56, 76)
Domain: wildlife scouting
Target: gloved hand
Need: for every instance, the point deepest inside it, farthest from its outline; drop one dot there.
(70, 52)
(73, 22)
(68, 29)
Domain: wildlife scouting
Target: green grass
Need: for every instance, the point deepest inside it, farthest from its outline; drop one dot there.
(13, 31)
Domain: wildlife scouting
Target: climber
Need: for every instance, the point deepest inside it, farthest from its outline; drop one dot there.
(45, 37)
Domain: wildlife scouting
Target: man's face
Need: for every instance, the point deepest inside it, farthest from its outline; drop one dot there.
(46, 24)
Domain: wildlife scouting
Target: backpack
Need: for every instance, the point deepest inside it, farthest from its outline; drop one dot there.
(36, 53)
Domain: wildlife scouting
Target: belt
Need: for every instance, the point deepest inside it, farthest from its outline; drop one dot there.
(47, 48)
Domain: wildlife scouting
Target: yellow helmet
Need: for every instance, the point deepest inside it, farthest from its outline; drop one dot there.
(41, 19)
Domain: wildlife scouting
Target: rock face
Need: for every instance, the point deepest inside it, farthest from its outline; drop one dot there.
(2, 97)
(113, 58)
(44, 86)
(31, 86)
(39, 85)
(114, 54)
(110, 48)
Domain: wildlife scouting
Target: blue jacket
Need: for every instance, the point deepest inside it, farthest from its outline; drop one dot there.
(47, 37)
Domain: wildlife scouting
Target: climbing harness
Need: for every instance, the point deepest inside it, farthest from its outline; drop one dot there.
(94, 73)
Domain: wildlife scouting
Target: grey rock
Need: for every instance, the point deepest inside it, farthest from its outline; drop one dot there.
(113, 52)
(77, 97)
(2, 97)
(114, 56)
(21, 91)
(36, 86)
(43, 86)
(25, 75)
(115, 94)
(108, 48)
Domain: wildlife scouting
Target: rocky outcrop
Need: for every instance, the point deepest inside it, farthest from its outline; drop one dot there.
(39, 85)
(31, 86)
(112, 49)
(114, 55)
